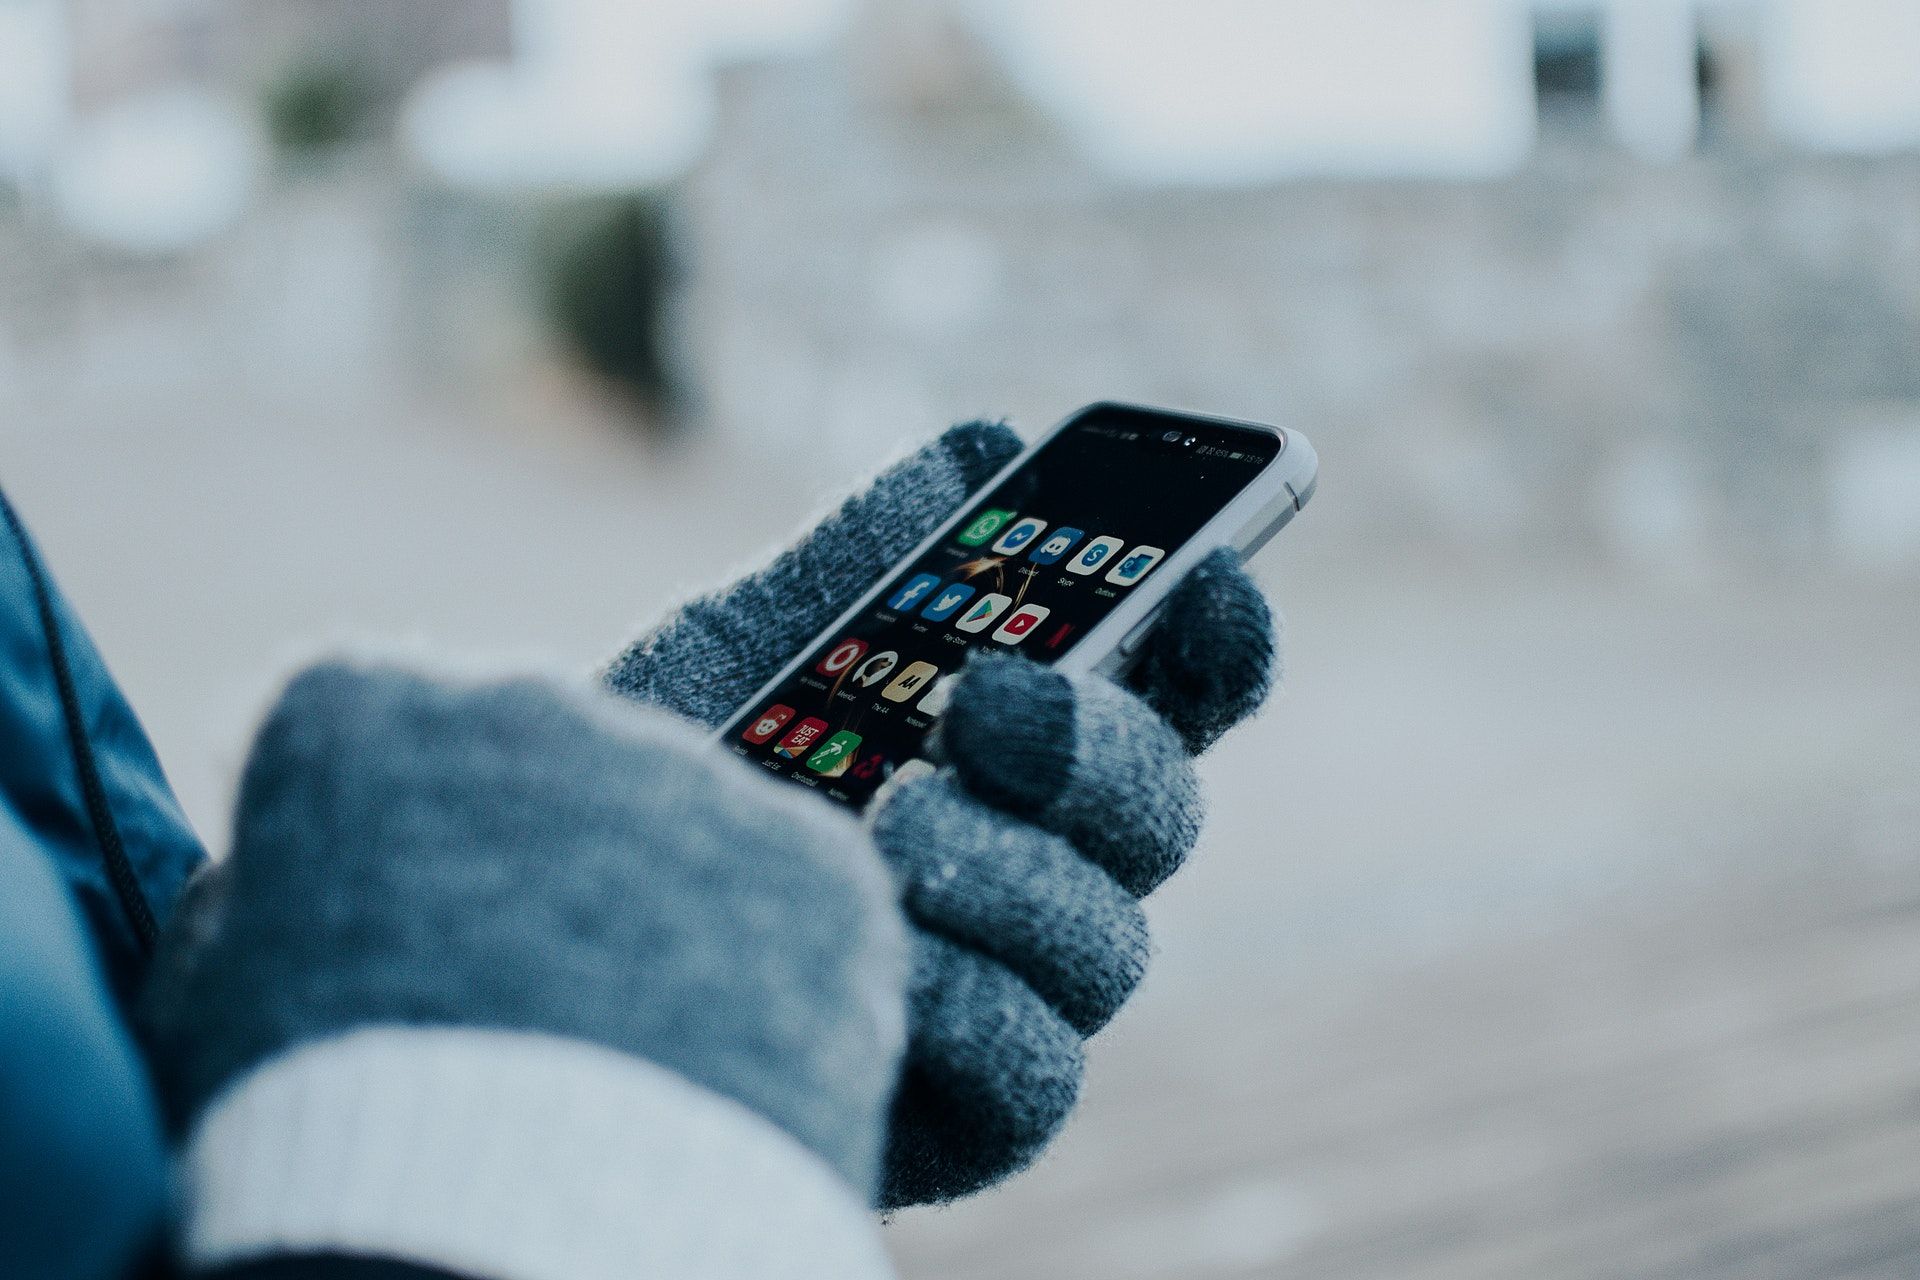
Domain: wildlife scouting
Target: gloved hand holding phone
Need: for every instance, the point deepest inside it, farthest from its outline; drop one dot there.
(1060, 803)
(515, 978)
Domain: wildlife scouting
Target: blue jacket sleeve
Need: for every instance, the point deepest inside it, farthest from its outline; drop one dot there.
(83, 1181)
(93, 852)
(78, 772)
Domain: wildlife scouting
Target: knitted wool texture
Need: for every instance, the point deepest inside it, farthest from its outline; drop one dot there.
(711, 655)
(1020, 864)
(524, 857)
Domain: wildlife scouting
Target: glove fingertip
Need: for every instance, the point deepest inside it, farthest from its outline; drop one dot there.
(907, 501)
(1215, 657)
(1009, 732)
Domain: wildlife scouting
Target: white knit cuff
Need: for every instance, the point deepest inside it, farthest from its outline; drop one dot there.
(513, 1156)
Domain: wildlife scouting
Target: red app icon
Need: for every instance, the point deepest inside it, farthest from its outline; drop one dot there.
(803, 736)
(770, 722)
(1059, 636)
(840, 657)
(869, 766)
(1020, 623)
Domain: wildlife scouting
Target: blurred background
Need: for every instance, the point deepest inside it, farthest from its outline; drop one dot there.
(1562, 919)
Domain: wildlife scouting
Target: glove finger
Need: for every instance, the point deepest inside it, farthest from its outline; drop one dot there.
(991, 1074)
(1213, 657)
(1087, 760)
(1017, 894)
(711, 655)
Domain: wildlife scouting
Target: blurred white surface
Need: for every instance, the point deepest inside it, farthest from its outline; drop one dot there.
(34, 86)
(159, 172)
(1842, 73)
(1249, 90)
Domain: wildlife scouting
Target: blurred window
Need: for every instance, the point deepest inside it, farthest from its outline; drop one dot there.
(1566, 62)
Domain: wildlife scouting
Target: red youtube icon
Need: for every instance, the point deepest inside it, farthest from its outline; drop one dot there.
(1023, 621)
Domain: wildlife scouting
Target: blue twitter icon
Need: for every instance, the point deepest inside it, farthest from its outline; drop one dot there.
(946, 602)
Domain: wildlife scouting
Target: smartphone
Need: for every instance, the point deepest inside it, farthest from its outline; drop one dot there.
(1066, 556)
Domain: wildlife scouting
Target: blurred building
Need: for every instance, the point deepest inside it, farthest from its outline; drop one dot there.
(117, 48)
(1639, 275)
(1661, 356)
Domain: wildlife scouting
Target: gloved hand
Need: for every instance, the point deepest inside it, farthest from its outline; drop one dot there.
(516, 980)
(1060, 803)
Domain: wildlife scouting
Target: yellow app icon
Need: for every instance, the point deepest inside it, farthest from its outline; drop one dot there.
(910, 682)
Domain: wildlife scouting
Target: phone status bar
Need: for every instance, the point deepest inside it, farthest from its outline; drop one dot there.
(1188, 444)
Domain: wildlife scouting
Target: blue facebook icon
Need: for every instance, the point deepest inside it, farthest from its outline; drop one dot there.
(918, 588)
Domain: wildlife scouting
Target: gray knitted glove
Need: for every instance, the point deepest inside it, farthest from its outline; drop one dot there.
(1021, 862)
(513, 979)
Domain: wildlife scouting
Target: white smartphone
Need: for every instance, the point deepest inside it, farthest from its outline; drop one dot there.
(1065, 556)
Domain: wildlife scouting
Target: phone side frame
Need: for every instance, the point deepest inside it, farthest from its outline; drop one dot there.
(1246, 523)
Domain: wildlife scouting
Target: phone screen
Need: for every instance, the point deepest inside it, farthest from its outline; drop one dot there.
(1032, 565)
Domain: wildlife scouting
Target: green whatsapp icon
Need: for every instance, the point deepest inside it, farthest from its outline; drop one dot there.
(984, 526)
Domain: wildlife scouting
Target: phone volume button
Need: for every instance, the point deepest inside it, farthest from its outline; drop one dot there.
(1136, 637)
